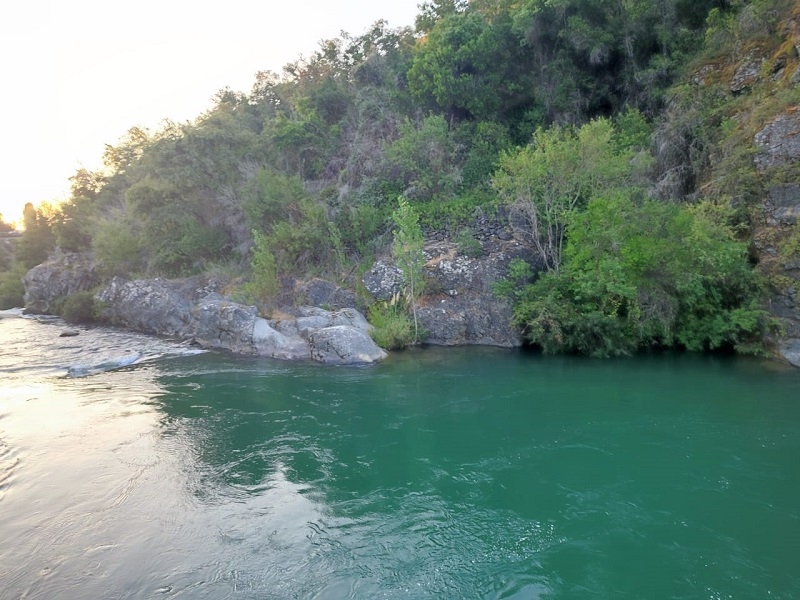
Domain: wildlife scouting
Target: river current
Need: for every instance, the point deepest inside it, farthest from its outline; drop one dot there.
(134, 467)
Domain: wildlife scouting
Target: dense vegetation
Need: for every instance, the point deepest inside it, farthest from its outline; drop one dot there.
(576, 120)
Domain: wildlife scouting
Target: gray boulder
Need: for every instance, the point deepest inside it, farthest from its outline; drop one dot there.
(317, 318)
(150, 306)
(383, 280)
(790, 351)
(782, 206)
(219, 323)
(271, 342)
(343, 345)
(747, 72)
(61, 276)
(194, 310)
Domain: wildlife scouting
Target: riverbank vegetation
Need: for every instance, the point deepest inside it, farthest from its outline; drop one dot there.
(584, 124)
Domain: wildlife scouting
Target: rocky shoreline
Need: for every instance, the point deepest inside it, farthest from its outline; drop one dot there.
(325, 325)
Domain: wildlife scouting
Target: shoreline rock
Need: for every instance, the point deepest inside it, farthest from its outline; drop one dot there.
(166, 307)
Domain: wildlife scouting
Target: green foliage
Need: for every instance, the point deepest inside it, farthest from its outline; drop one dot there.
(270, 197)
(408, 256)
(179, 243)
(424, 159)
(262, 289)
(519, 276)
(393, 328)
(118, 245)
(468, 244)
(469, 65)
(79, 308)
(37, 240)
(546, 182)
(456, 212)
(638, 276)
(362, 227)
(72, 224)
(485, 140)
(12, 289)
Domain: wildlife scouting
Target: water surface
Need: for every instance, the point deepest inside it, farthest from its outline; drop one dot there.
(460, 473)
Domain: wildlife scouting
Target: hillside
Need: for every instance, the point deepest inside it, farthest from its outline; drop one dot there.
(644, 154)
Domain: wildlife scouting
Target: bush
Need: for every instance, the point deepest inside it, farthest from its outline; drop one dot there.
(394, 329)
(468, 244)
(11, 288)
(638, 276)
(78, 308)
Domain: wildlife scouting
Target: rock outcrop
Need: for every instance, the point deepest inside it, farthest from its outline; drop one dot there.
(779, 141)
(779, 147)
(61, 276)
(323, 293)
(193, 310)
(383, 280)
(460, 306)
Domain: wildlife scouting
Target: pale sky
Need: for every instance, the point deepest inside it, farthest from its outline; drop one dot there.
(77, 74)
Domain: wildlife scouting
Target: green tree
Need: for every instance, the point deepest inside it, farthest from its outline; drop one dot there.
(37, 240)
(546, 182)
(263, 287)
(637, 276)
(407, 252)
(424, 159)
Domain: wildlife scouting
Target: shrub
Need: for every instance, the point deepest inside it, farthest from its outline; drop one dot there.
(468, 244)
(394, 329)
(78, 308)
(11, 288)
(637, 276)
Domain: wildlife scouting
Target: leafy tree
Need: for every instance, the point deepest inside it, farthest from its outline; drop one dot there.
(424, 159)
(470, 66)
(37, 239)
(118, 243)
(12, 289)
(272, 196)
(263, 287)
(547, 181)
(644, 275)
(407, 252)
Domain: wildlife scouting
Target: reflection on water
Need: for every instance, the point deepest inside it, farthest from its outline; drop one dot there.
(468, 473)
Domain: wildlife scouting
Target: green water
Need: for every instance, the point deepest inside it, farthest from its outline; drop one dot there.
(465, 473)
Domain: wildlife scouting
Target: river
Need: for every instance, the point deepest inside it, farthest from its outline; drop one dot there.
(440, 473)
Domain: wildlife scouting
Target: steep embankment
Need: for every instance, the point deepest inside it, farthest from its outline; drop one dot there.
(746, 148)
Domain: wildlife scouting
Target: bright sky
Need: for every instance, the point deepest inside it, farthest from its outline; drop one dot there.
(77, 74)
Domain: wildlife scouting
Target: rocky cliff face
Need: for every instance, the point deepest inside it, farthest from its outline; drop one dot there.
(778, 144)
(459, 307)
